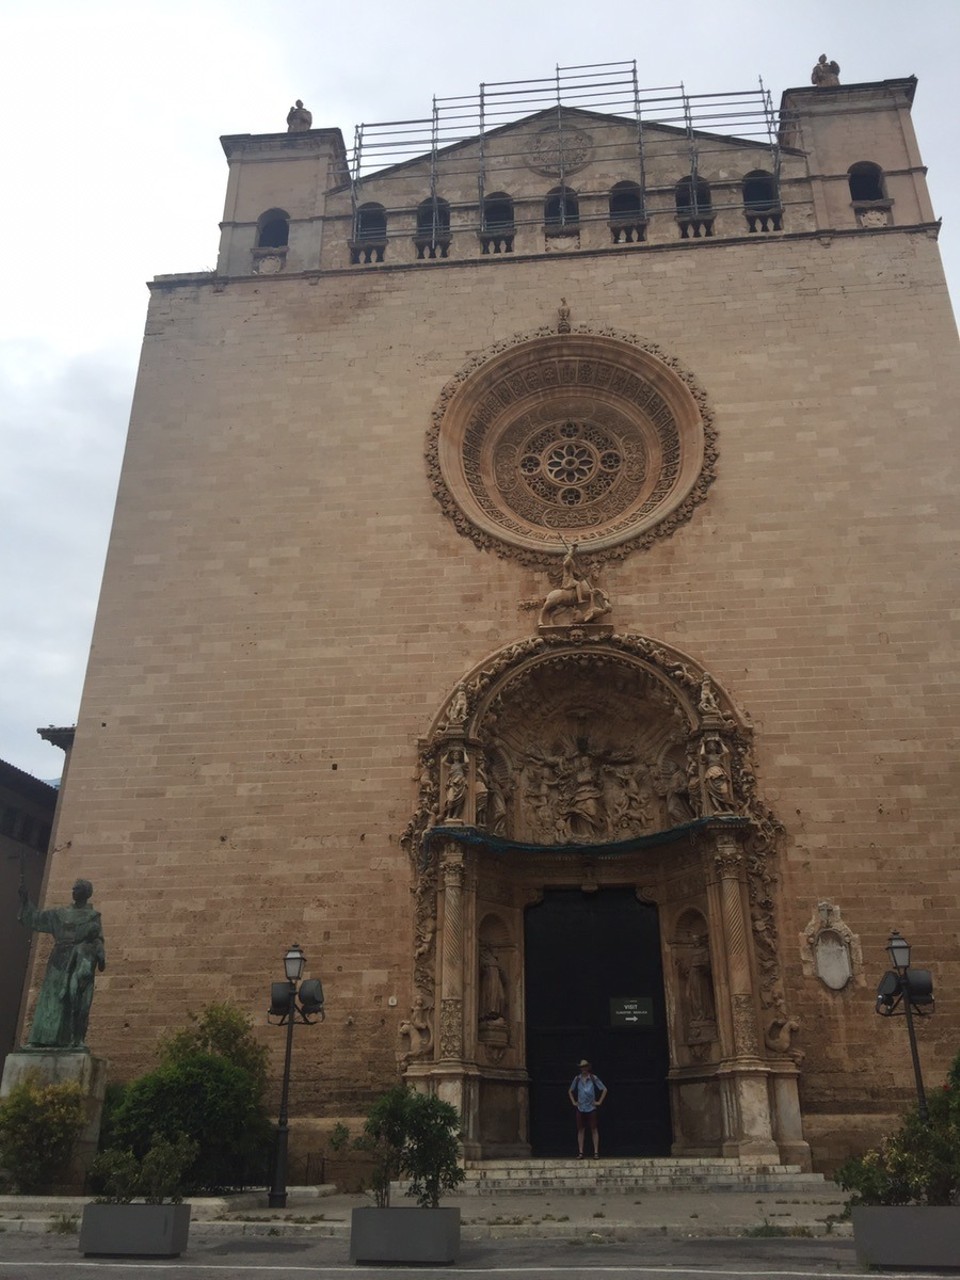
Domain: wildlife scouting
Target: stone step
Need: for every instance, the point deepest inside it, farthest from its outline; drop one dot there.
(497, 1177)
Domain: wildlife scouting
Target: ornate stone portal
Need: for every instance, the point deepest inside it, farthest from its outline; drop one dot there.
(595, 760)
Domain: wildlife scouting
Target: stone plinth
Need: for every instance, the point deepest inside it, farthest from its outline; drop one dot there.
(63, 1066)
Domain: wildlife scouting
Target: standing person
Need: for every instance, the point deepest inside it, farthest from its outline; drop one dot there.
(587, 1093)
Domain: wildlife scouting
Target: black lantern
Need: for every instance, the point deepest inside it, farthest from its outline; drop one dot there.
(285, 1007)
(913, 989)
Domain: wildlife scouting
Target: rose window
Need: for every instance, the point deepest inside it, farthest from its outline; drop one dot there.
(569, 437)
(570, 464)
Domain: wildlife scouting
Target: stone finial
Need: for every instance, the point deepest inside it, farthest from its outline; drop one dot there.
(563, 317)
(825, 74)
(299, 119)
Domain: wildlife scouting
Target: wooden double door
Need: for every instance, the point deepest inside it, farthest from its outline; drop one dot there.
(594, 989)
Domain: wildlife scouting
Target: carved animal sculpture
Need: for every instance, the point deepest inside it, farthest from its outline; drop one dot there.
(596, 606)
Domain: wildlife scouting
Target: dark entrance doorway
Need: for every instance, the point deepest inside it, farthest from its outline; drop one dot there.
(594, 989)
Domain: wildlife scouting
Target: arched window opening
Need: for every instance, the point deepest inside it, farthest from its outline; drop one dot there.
(561, 209)
(433, 228)
(497, 233)
(866, 182)
(761, 203)
(871, 204)
(627, 221)
(370, 236)
(273, 229)
(694, 208)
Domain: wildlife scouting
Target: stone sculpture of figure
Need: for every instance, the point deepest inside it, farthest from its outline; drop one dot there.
(716, 776)
(417, 1030)
(582, 803)
(825, 74)
(299, 119)
(563, 317)
(493, 987)
(708, 704)
(63, 1007)
(576, 593)
(455, 794)
(458, 707)
(699, 992)
(496, 807)
(677, 796)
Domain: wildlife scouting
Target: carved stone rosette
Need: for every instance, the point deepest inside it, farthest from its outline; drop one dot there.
(589, 433)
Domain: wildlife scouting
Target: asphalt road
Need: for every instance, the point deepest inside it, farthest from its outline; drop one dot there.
(24, 1255)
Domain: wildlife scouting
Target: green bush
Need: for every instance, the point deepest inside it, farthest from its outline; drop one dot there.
(920, 1163)
(158, 1177)
(215, 1103)
(431, 1152)
(222, 1030)
(413, 1135)
(39, 1124)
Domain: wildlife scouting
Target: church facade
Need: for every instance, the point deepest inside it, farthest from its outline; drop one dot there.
(530, 590)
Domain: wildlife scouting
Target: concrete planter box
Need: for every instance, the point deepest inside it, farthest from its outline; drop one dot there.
(909, 1235)
(135, 1230)
(405, 1235)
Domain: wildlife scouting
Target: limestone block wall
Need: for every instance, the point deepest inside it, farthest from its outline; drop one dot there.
(285, 607)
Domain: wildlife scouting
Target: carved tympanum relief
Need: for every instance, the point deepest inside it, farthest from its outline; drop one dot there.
(593, 435)
(569, 739)
(557, 152)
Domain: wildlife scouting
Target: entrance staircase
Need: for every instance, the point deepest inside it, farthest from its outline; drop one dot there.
(625, 1175)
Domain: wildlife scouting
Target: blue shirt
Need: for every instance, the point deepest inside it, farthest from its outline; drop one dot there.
(586, 1090)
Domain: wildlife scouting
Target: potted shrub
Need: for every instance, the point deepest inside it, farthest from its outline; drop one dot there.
(413, 1136)
(906, 1191)
(140, 1211)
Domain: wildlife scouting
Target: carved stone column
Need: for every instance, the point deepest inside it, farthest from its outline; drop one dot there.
(453, 1079)
(748, 1123)
(452, 958)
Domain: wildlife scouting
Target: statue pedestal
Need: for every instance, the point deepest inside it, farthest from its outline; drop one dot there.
(62, 1066)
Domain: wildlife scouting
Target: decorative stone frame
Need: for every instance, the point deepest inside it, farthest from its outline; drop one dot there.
(646, 404)
(733, 1076)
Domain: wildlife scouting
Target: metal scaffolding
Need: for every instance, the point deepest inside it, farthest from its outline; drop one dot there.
(667, 118)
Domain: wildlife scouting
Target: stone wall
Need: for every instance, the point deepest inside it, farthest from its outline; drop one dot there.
(285, 608)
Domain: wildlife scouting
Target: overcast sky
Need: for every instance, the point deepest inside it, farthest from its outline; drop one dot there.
(112, 114)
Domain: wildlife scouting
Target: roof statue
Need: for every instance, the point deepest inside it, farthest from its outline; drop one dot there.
(825, 74)
(299, 119)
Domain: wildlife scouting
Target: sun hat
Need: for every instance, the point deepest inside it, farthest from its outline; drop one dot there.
(583, 1062)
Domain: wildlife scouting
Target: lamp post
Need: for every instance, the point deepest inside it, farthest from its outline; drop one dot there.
(285, 1007)
(914, 989)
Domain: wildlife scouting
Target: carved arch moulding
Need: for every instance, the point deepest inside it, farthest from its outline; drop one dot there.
(594, 746)
(592, 436)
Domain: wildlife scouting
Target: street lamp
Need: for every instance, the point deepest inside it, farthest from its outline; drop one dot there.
(285, 1008)
(914, 989)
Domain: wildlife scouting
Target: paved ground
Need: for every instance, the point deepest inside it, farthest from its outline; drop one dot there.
(225, 1256)
(658, 1235)
(514, 1215)
(721, 1234)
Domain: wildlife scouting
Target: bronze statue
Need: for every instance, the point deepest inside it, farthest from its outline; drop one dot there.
(63, 1007)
